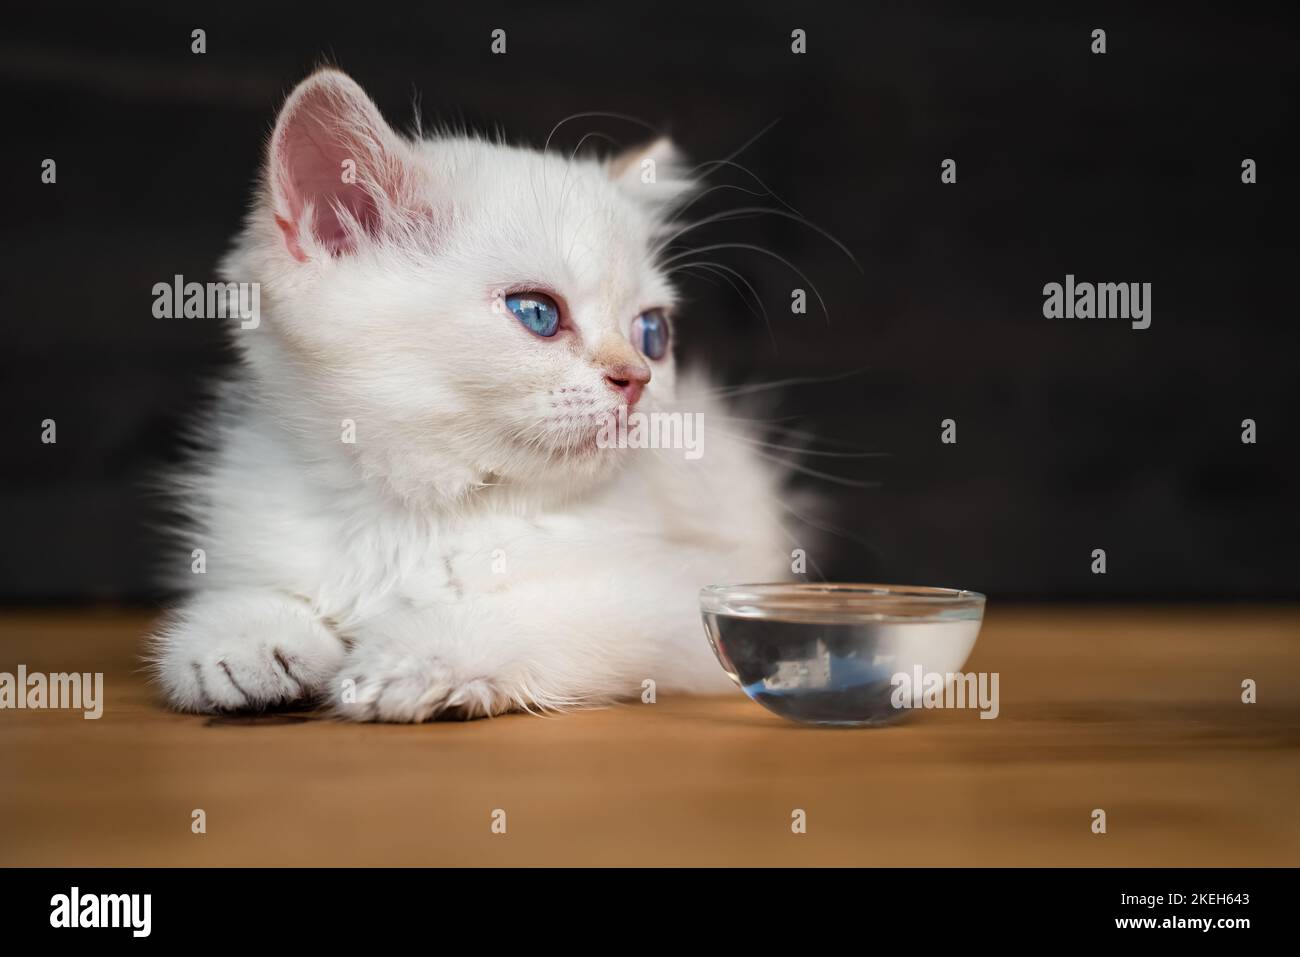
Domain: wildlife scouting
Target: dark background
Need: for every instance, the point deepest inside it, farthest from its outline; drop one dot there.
(1076, 435)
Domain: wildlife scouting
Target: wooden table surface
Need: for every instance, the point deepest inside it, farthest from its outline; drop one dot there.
(1134, 710)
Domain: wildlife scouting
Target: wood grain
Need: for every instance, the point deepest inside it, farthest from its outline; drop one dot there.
(1136, 710)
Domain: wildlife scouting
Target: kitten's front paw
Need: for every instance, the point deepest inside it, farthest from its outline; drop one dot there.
(235, 652)
(380, 682)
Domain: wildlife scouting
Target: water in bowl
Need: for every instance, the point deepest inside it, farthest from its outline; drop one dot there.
(837, 673)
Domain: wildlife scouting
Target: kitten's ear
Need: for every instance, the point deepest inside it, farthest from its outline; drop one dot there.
(337, 172)
(655, 172)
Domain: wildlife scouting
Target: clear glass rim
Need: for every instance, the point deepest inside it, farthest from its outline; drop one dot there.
(840, 601)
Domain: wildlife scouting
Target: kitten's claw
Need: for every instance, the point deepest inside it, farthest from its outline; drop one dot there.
(244, 652)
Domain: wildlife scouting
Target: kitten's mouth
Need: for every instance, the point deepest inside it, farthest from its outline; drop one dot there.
(571, 438)
(585, 444)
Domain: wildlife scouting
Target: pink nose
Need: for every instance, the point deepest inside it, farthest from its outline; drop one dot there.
(628, 381)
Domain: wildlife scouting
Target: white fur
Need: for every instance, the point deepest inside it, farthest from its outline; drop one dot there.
(470, 553)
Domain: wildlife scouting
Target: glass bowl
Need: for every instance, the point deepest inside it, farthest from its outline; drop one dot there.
(832, 654)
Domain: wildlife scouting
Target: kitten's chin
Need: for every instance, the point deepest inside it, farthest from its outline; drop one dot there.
(579, 448)
(586, 463)
(572, 466)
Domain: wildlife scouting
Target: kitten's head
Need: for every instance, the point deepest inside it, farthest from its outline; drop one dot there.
(475, 309)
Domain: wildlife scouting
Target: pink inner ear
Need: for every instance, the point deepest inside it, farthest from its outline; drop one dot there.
(290, 233)
(324, 128)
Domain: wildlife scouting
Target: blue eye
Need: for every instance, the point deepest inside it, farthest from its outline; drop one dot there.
(537, 312)
(650, 334)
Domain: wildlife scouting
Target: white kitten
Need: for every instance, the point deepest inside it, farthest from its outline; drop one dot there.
(472, 549)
